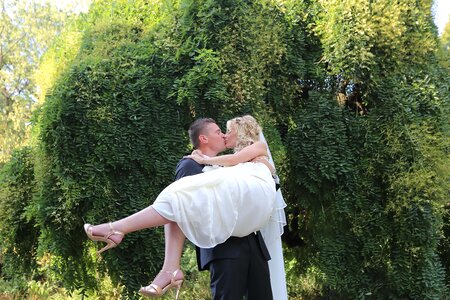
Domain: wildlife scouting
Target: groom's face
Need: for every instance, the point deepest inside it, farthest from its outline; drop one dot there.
(215, 138)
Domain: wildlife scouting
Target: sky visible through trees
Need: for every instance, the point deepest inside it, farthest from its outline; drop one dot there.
(441, 9)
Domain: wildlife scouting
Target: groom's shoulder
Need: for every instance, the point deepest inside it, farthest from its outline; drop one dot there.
(187, 167)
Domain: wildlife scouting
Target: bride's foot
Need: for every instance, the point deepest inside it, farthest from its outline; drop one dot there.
(104, 233)
(164, 281)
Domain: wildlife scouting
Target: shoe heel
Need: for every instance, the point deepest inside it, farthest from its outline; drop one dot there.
(107, 247)
(178, 285)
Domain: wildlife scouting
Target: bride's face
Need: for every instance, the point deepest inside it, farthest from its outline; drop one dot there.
(231, 136)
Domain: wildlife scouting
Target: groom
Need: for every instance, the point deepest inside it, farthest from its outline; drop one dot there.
(238, 267)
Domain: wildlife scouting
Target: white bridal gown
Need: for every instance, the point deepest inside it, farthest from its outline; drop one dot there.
(212, 206)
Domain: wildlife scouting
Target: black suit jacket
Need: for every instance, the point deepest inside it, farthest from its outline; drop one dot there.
(228, 249)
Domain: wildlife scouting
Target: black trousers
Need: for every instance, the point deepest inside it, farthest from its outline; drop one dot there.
(246, 275)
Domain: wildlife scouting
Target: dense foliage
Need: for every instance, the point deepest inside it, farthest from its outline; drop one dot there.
(353, 101)
(19, 235)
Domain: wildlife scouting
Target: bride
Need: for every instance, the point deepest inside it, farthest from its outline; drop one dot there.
(208, 207)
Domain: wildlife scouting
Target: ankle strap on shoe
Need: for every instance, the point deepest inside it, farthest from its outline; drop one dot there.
(112, 231)
(172, 273)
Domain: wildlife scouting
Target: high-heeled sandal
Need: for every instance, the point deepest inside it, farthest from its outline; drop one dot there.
(154, 290)
(106, 238)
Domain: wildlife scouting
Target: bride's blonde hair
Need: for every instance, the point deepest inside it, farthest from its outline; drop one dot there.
(247, 130)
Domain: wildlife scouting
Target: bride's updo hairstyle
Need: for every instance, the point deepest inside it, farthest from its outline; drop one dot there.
(247, 131)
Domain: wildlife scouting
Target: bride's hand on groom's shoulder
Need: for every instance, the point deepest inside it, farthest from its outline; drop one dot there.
(198, 156)
(197, 152)
(193, 153)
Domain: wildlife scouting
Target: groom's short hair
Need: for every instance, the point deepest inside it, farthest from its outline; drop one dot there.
(197, 128)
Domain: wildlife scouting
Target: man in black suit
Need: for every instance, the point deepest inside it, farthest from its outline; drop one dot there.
(238, 267)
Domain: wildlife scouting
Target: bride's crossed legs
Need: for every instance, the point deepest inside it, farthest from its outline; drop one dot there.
(147, 218)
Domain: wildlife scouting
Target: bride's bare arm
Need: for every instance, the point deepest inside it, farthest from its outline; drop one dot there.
(264, 160)
(246, 154)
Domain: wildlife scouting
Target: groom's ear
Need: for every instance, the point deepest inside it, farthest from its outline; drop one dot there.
(202, 139)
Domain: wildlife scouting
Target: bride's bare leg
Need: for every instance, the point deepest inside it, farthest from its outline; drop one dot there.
(174, 242)
(146, 218)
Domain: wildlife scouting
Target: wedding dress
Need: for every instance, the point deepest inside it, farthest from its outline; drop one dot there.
(227, 201)
(272, 233)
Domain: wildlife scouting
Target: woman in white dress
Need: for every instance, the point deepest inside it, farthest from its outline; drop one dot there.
(208, 207)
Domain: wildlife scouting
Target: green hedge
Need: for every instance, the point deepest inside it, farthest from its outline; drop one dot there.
(19, 235)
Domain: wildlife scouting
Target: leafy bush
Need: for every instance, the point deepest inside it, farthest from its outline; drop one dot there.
(18, 233)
